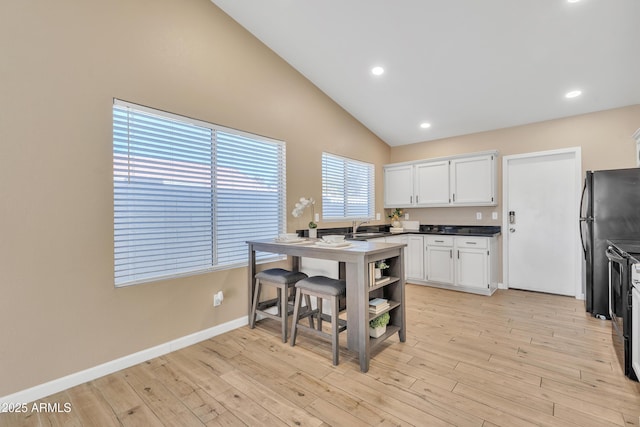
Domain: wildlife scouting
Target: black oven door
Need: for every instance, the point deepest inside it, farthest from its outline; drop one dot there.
(616, 285)
(619, 306)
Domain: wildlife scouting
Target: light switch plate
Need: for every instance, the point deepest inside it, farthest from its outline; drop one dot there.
(378, 216)
(406, 216)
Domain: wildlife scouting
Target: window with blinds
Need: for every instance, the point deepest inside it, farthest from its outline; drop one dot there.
(348, 188)
(189, 194)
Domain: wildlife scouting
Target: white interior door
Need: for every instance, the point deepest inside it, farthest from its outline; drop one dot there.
(542, 190)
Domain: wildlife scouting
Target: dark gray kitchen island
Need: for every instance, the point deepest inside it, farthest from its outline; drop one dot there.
(356, 263)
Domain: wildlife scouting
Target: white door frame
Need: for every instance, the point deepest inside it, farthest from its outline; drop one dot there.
(577, 152)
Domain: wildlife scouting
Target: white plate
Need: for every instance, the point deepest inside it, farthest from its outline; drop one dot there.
(333, 245)
(298, 240)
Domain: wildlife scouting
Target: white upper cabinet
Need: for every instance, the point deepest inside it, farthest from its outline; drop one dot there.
(431, 183)
(473, 181)
(468, 180)
(398, 186)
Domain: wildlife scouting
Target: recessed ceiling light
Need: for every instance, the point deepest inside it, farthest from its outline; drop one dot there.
(573, 94)
(425, 125)
(377, 71)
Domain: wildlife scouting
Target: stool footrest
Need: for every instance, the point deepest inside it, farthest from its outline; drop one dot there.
(264, 305)
(307, 313)
(269, 315)
(342, 324)
(315, 331)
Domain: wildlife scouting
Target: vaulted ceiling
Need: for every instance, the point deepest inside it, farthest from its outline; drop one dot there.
(462, 66)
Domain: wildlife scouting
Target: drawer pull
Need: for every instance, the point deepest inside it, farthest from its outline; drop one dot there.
(439, 241)
(471, 243)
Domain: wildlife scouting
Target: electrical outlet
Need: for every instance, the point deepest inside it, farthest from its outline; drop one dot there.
(406, 216)
(218, 297)
(316, 218)
(494, 215)
(378, 216)
(478, 215)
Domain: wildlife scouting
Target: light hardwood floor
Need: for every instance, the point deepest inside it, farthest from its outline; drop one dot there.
(514, 359)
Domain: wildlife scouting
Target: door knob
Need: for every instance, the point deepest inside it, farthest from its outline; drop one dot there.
(513, 230)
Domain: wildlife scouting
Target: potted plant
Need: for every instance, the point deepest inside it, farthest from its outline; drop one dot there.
(395, 217)
(378, 326)
(381, 265)
(299, 209)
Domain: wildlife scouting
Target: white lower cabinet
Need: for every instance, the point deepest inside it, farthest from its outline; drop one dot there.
(454, 262)
(439, 259)
(320, 267)
(415, 257)
(472, 262)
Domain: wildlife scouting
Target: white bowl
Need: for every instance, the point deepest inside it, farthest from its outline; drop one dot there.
(333, 238)
(288, 236)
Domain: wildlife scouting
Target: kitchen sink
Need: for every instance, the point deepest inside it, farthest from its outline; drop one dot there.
(364, 234)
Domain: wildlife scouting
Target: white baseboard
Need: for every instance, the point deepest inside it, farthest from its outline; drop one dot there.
(579, 296)
(77, 378)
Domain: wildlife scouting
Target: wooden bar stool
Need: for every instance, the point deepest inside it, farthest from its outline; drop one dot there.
(320, 287)
(283, 280)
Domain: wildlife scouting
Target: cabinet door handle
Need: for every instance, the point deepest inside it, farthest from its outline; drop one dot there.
(417, 199)
(454, 197)
(450, 253)
(458, 254)
(410, 199)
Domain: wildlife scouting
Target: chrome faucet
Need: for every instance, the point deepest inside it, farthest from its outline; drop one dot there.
(356, 225)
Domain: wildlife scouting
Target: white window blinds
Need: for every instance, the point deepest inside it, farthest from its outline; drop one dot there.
(188, 194)
(348, 188)
(249, 194)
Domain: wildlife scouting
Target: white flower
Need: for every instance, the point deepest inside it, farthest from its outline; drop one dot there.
(301, 205)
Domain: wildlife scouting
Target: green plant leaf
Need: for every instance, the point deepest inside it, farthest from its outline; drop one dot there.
(381, 320)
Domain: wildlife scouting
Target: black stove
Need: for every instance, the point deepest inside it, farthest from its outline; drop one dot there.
(623, 257)
(628, 248)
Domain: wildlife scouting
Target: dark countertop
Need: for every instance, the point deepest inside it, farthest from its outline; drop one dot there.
(461, 230)
(373, 232)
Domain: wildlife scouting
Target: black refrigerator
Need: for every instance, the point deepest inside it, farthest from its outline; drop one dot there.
(609, 209)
